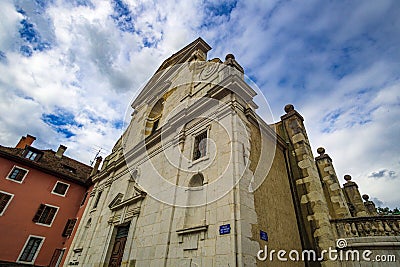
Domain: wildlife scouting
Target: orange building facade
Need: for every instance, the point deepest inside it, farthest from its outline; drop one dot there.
(43, 194)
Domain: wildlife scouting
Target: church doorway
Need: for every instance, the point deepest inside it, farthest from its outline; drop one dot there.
(119, 246)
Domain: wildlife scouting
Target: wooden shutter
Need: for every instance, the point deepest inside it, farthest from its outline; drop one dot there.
(39, 213)
(50, 216)
(69, 227)
(20, 175)
(57, 256)
(4, 198)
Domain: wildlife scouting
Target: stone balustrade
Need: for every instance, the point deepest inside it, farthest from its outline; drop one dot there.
(367, 226)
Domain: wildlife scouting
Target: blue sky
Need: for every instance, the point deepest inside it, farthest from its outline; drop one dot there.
(70, 68)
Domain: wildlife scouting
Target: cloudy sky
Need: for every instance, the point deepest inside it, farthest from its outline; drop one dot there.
(69, 69)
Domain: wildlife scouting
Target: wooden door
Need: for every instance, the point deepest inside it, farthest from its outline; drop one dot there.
(119, 246)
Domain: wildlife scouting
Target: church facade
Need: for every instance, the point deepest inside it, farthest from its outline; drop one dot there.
(200, 179)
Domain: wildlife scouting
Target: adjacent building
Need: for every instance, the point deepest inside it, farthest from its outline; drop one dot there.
(200, 179)
(42, 197)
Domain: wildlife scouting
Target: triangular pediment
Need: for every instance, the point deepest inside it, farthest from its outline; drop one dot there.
(196, 50)
(137, 191)
(119, 202)
(186, 53)
(116, 200)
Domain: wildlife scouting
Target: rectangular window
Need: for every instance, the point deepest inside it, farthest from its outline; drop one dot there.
(200, 146)
(31, 155)
(96, 202)
(69, 169)
(57, 257)
(60, 188)
(69, 227)
(5, 199)
(31, 249)
(17, 174)
(84, 199)
(45, 214)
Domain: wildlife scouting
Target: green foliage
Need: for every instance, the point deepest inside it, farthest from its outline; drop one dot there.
(387, 211)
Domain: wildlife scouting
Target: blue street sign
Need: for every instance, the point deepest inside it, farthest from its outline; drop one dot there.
(263, 235)
(224, 229)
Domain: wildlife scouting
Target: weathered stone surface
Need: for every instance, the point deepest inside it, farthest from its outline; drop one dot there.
(274, 183)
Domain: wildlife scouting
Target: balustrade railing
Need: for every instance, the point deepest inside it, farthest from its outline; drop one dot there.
(368, 226)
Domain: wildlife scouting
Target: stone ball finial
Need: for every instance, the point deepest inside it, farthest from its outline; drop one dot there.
(347, 177)
(321, 151)
(365, 197)
(288, 108)
(228, 56)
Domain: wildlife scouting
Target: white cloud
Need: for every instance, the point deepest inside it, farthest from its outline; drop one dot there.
(326, 58)
(363, 149)
(9, 24)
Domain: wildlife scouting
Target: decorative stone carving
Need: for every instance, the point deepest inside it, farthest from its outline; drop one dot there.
(369, 205)
(368, 226)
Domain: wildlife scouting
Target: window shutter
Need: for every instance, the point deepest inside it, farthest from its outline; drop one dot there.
(4, 198)
(20, 175)
(69, 227)
(50, 216)
(38, 213)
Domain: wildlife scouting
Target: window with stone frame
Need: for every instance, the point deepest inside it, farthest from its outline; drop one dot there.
(31, 249)
(154, 117)
(45, 214)
(97, 200)
(200, 145)
(17, 174)
(195, 211)
(5, 199)
(84, 232)
(60, 188)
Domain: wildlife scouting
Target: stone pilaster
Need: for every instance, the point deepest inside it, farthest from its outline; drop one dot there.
(309, 189)
(353, 197)
(333, 193)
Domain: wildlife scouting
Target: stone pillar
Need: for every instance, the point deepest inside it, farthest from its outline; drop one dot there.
(369, 206)
(333, 193)
(314, 206)
(234, 67)
(353, 197)
(96, 166)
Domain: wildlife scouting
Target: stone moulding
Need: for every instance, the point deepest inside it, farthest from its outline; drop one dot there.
(128, 202)
(192, 229)
(202, 229)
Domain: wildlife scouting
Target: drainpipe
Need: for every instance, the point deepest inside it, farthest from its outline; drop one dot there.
(237, 244)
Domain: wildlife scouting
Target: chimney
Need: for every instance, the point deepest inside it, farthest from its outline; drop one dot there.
(96, 165)
(24, 141)
(60, 151)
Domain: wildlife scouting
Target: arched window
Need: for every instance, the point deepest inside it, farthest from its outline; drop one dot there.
(85, 232)
(153, 120)
(196, 180)
(195, 211)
